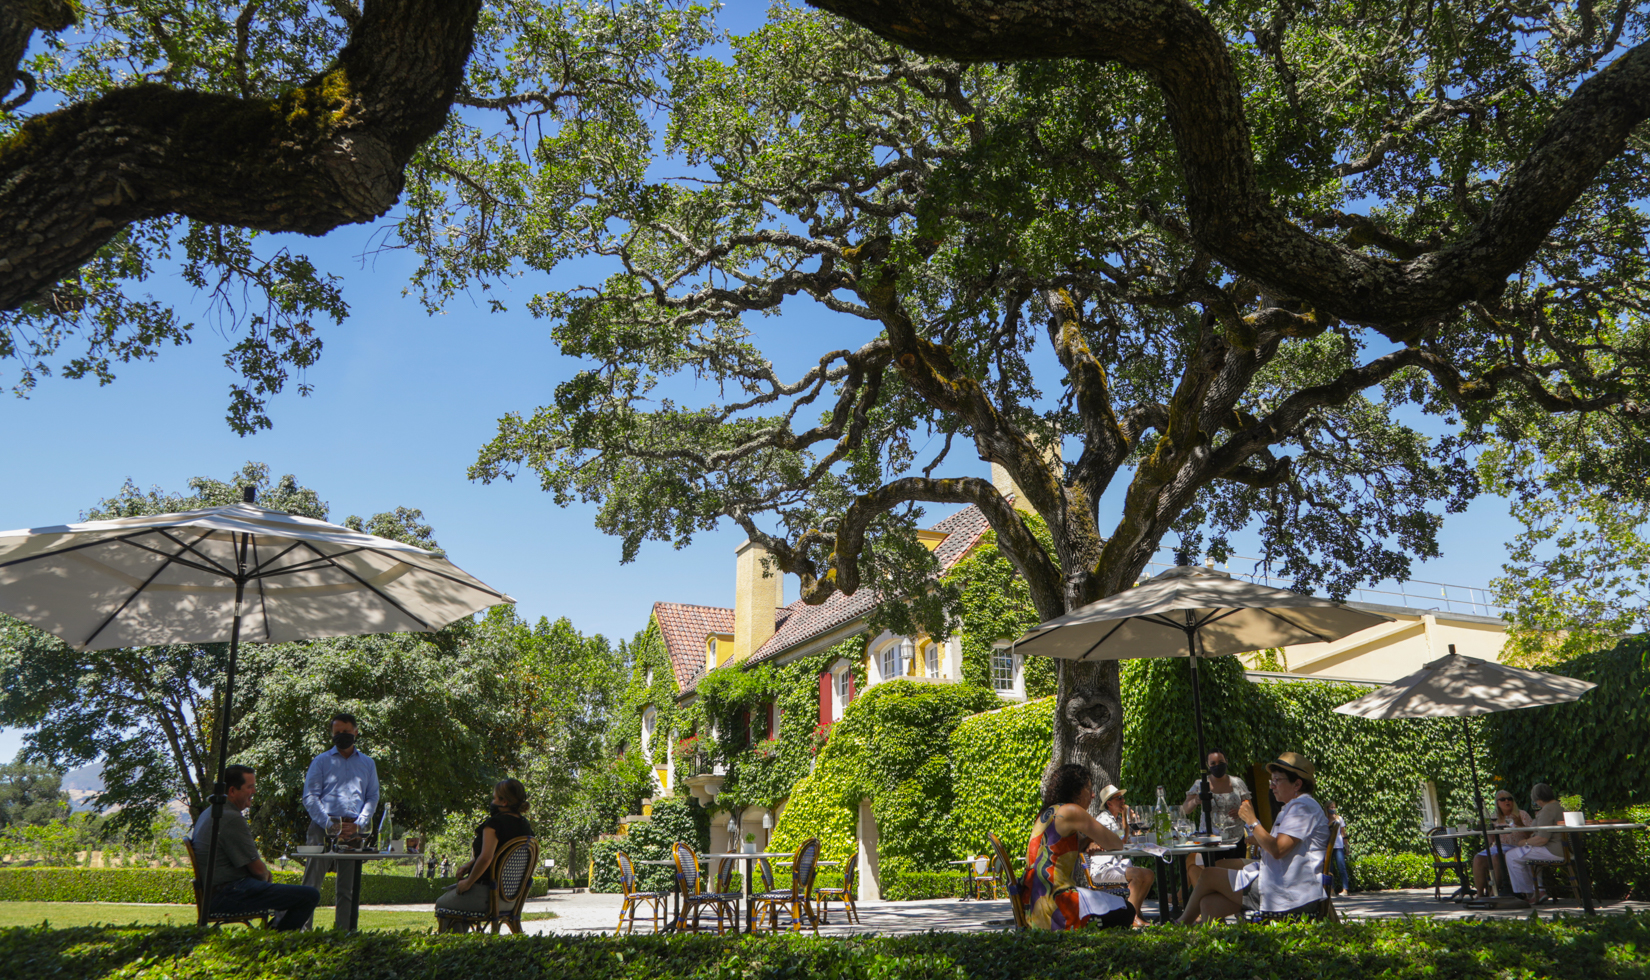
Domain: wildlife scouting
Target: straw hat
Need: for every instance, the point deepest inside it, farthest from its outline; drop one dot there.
(1293, 762)
(1109, 792)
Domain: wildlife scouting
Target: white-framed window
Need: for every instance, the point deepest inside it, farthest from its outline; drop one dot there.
(650, 719)
(891, 662)
(931, 659)
(1007, 671)
(842, 685)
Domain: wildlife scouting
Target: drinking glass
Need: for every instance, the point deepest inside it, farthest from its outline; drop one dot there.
(335, 826)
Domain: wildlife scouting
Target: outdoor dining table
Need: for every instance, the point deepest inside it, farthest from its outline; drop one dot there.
(1578, 847)
(359, 859)
(745, 885)
(1168, 883)
(973, 889)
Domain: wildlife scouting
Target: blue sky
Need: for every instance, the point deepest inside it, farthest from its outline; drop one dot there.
(402, 402)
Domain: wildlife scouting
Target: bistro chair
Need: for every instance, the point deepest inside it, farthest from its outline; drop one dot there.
(824, 896)
(982, 882)
(690, 882)
(767, 874)
(1016, 888)
(211, 918)
(1446, 856)
(1539, 866)
(797, 901)
(634, 899)
(512, 875)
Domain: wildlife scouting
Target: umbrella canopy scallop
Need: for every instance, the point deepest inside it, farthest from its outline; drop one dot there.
(172, 578)
(1463, 687)
(1227, 615)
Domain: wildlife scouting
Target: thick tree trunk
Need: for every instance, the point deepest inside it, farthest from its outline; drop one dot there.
(1088, 725)
(326, 154)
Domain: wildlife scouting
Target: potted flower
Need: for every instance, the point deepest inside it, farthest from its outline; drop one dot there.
(750, 843)
(768, 748)
(822, 734)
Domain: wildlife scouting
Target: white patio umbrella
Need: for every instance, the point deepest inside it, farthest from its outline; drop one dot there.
(1193, 612)
(224, 574)
(1466, 687)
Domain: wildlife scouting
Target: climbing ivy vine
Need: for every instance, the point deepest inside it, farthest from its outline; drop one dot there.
(996, 605)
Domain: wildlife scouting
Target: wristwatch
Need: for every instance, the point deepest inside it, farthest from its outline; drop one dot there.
(1253, 825)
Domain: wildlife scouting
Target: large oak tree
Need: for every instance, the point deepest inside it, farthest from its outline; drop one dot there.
(1258, 266)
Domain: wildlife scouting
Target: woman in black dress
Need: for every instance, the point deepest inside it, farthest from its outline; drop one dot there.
(506, 822)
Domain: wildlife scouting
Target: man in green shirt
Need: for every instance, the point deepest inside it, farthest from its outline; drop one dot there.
(240, 881)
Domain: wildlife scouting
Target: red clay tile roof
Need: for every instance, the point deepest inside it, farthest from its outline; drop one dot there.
(685, 628)
(800, 622)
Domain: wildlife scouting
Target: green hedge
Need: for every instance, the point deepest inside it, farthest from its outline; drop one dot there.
(1579, 948)
(171, 885)
(1380, 872)
(910, 886)
(997, 763)
(890, 747)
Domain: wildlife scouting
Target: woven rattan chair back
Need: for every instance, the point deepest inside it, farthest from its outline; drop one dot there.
(687, 867)
(1015, 887)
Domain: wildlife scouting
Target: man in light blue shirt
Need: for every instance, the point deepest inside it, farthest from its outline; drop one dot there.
(342, 782)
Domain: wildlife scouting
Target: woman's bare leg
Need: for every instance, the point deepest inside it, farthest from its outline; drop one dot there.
(1216, 908)
(1140, 885)
(1480, 868)
(1194, 871)
(1215, 886)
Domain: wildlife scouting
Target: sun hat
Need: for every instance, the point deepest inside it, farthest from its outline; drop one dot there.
(1293, 762)
(1109, 792)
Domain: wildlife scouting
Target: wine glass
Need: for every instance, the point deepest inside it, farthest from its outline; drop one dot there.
(335, 826)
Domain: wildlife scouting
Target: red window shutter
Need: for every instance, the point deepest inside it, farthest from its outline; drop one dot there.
(850, 686)
(825, 698)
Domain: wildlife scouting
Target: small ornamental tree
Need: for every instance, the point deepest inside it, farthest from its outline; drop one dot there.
(1250, 267)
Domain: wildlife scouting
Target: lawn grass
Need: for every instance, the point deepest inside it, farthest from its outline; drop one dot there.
(68, 915)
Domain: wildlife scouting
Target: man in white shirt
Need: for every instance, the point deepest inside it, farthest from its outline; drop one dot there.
(1291, 859)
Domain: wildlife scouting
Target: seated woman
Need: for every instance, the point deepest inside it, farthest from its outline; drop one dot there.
(1291, 859)
(1107, 869)
(1228, 792)
(1537, 847)
(1507, 814)
(505, 823)
(1053, 899)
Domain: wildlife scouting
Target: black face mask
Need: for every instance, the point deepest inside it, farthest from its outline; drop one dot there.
(343, 740)
(1218, 770)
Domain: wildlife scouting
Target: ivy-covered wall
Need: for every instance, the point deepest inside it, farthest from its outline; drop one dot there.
(996, 605)
(892, 747)
(1598, 747)
(763, 766)
(1371, 770)
(997, 763)
(647, 652)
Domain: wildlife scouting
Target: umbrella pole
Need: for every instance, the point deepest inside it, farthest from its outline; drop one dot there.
(218, 787)
(1203, 793)
(1477, 794)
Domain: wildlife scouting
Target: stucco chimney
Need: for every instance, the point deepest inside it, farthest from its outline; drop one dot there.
(1007, 487)
(757, 596)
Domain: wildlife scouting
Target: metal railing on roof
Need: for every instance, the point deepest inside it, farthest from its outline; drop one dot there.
(1416, 593)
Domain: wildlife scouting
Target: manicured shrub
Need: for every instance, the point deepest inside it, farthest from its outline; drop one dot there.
(1379, 872)
(1583, 948)
(171, 885)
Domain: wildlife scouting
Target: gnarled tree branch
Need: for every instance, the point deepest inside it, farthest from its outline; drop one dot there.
(328, 153)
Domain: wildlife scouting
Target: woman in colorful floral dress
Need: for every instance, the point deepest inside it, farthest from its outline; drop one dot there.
(1052, 897)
